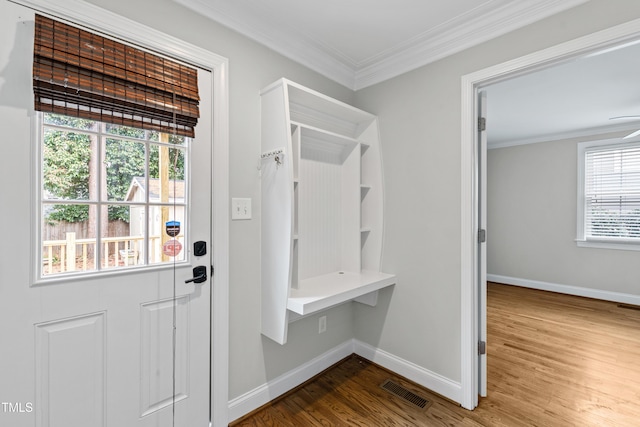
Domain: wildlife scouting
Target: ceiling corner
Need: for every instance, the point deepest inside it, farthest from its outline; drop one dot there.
(491, 20)
(458, 35)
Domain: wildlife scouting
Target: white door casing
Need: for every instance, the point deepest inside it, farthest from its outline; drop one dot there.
(91, 351)
(482, 244)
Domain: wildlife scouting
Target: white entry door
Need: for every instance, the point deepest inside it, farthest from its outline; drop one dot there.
(124, 345)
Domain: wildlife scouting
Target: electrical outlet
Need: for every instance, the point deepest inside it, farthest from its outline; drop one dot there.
(322, 324)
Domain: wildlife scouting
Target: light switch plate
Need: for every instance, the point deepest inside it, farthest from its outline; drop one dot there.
(240, 208)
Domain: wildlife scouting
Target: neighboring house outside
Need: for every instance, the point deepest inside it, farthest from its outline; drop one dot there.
(137, 193)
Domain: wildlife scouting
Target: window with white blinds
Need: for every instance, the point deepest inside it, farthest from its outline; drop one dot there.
(610, 187)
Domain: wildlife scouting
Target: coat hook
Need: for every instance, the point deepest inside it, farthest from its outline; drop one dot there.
(277, 155)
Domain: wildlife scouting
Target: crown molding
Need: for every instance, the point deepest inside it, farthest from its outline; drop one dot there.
(491, 20)
(296, 46)
(463, 32)
(561, 136)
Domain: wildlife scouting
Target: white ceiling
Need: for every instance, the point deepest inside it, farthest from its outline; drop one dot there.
(363, 42)
(359, 43)
(572, 99)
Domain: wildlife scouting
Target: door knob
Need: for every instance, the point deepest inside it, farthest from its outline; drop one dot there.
(199, 275)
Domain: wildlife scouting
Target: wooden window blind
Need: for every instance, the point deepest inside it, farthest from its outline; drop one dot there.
(85, 75)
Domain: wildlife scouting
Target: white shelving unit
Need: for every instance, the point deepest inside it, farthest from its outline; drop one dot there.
(321, 206)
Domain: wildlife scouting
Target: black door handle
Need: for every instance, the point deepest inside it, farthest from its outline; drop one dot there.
(199, 275)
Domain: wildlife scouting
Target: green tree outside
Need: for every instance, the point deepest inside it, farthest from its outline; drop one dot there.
(66, 165)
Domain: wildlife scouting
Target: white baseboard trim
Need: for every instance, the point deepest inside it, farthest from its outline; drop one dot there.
(265, 393)
(434, 382)
(567, 289)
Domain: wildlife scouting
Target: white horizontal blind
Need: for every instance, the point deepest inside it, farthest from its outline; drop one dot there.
(612, 193)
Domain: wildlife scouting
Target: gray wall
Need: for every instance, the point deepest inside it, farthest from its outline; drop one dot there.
(419, 319)
(420, 132)
(253, 359)
(531, 214)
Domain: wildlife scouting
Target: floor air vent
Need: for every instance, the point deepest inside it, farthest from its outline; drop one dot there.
(405, 394)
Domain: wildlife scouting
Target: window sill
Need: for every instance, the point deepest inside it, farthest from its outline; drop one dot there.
(608, 244)
(111, 272)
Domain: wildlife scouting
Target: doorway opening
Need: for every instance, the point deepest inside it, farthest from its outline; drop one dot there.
(471, 308)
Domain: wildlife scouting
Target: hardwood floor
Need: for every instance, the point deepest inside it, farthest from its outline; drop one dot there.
(553, 360)
(574, 361)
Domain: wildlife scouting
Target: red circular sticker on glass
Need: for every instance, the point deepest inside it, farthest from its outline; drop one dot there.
(172, 248)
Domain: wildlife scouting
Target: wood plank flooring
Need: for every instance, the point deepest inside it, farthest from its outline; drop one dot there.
(553, 360)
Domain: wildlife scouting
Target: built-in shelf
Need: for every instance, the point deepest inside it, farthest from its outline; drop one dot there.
(321, 207)
(321, 292)
(319, 145)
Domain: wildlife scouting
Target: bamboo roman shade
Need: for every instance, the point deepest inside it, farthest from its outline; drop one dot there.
(85, 75)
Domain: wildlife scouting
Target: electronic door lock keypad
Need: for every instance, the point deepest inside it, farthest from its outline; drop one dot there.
(200, 248)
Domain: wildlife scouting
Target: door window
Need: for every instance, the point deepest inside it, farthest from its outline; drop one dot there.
(111, 196)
